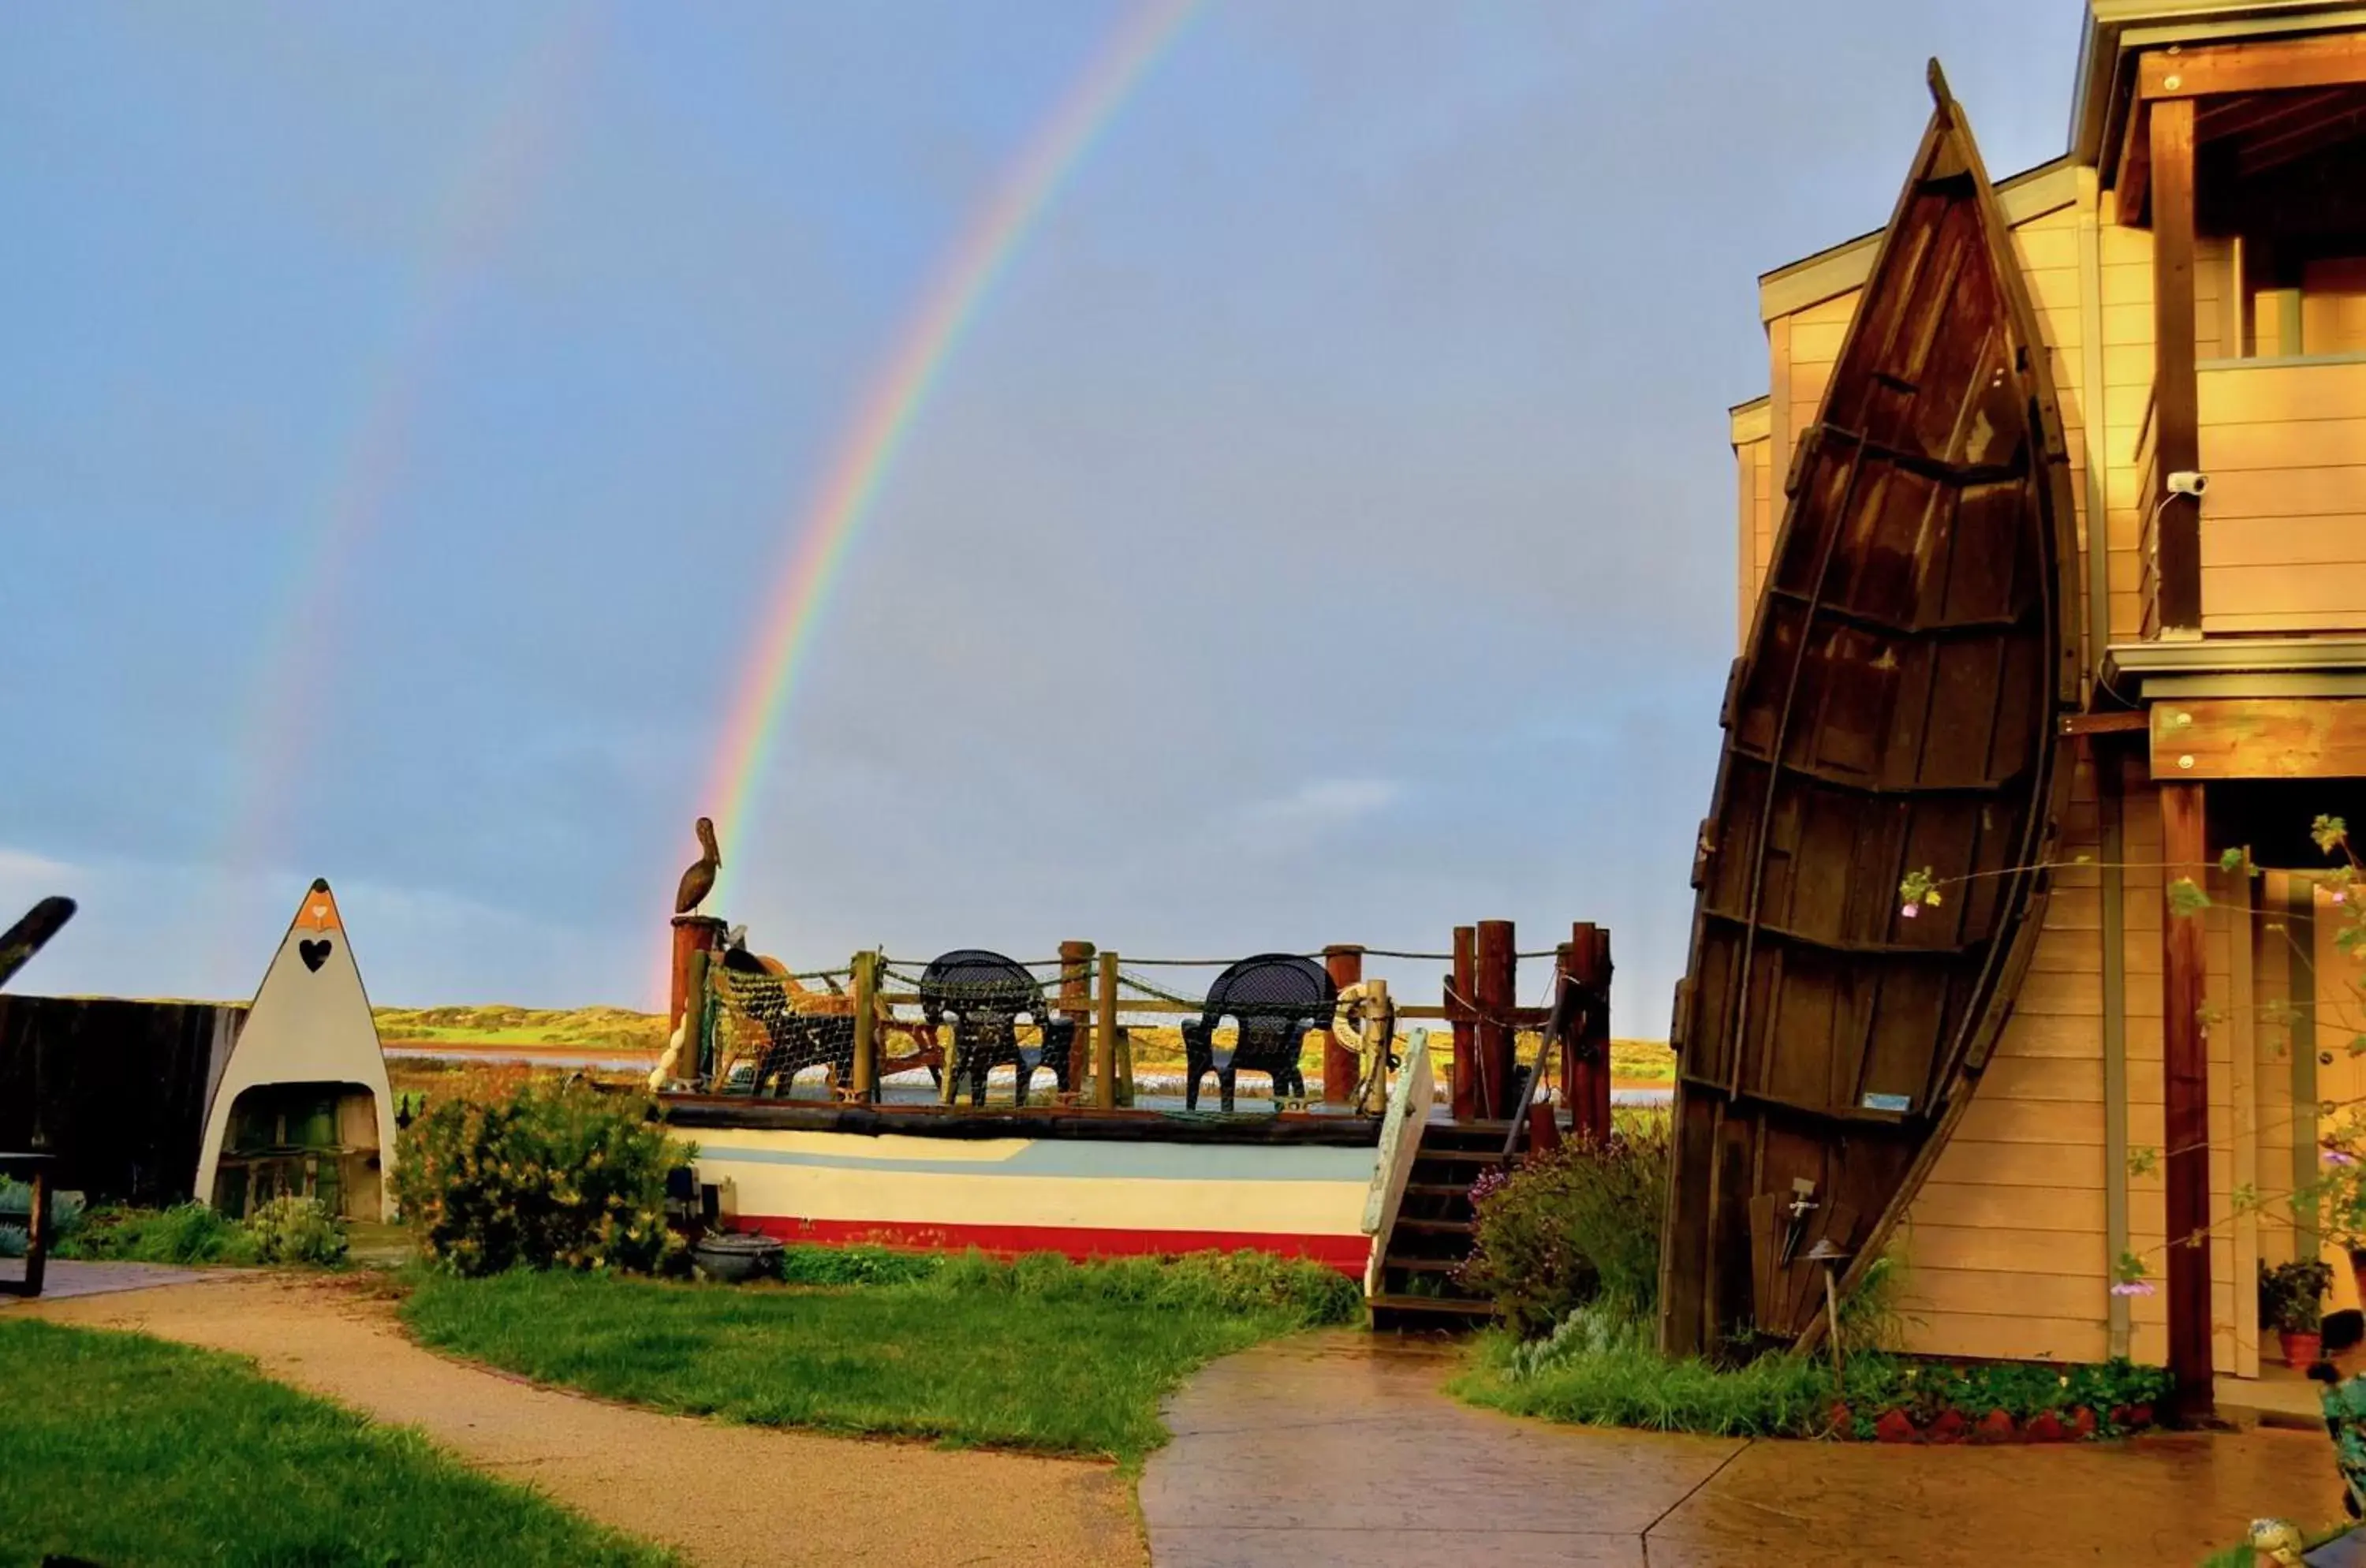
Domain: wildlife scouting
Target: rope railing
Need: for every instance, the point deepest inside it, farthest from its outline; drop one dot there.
(1080, 1017)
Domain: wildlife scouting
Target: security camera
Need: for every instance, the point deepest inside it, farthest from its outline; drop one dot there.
(2185, 481)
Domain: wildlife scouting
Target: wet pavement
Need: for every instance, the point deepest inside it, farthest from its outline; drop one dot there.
(1343, 1449)
(65, 1277)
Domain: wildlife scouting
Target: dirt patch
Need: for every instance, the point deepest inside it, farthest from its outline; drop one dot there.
(719, 1493)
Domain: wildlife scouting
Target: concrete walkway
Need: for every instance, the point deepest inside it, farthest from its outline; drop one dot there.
(66, 1277)
(719, 1493)
(1341, 1449)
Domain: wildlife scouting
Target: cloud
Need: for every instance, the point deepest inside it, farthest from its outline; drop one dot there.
(149, 930)
(1317, 807)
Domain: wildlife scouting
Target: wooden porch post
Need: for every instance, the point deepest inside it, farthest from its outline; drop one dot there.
(2177, 567)
(2185, 1101)
(1497, 1048)
(1076, 1005)
(1345, 964)
(1462, 988)
(1105, 1038)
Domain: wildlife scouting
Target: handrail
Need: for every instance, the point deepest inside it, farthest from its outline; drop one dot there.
(1400, 1129)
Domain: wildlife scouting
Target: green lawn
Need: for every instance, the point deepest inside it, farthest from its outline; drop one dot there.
(127, 1450)
(1042, 1355)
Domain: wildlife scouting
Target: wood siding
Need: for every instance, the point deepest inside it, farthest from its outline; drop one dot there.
(2283, 527)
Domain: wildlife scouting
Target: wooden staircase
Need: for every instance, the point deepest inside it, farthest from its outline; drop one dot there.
(1433, 1230)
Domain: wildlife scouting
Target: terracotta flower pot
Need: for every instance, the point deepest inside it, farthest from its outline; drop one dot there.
(2300, 1349)
(1895, 1427)
(2044, 1427)
(2082, 1424)
(1948, 1427)
(2139, 1416)
(1837, 1419)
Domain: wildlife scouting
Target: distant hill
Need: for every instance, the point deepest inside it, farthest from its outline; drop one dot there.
(621, 1029)
(596, 1028)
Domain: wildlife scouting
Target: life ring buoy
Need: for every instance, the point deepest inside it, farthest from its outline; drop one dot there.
(1364, 1021)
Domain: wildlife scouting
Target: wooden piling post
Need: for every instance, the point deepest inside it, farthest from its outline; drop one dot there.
(866, 1026)
(691, 933)
(1585, 1062)
(1076, 1006)
(1496, 1048)
(1105, 1038)
(1346, 962)
(691, 1064)
(1462, 991)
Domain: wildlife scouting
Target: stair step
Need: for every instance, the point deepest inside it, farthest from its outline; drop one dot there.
(1412, 1265)
(1442, 1306)
(1437, 1189)
(1439, 1227)
(1458, 1157)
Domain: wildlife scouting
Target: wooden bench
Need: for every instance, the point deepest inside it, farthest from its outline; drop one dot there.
(36, 1222)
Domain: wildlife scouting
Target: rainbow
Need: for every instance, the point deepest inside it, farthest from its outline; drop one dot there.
(470, 225)
(833, 517)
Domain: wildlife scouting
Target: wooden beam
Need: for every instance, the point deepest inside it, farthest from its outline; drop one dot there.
(1345, 964)
(1105, 1038)
(2328, 60)
(2103, 723)
(1461, 992)
(2185, 1103)
(2176, 431)
(2259, 738)
(1497, 1050)
(2133, 182)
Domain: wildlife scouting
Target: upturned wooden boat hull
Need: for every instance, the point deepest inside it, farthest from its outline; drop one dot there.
(1896, 708)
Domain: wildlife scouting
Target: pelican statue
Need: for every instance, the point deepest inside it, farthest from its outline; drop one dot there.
(699, 880)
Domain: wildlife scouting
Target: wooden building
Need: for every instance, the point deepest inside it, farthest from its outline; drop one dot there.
(2197, 260)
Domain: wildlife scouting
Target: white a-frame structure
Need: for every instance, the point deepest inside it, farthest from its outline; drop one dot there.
(302, 1106)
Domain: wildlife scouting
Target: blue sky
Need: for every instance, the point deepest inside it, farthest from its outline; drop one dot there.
(1324, 535)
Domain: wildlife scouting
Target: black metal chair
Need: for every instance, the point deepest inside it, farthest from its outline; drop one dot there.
(986, 995)
(1274, 999)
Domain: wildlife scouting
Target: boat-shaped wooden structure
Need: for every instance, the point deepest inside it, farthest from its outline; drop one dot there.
(1894, 709)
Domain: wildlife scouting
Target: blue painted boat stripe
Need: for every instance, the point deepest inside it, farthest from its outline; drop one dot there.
(1114, 1162)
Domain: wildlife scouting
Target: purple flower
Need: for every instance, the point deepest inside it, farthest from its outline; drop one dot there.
(1909, 911)
(2339, 1156)
(2132, 1288)
(2341, 896)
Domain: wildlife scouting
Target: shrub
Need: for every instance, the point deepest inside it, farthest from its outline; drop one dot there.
(185, 1234)
(857, 1265)
(1598, 1367)
(551, 1175)
(16, 1212)
(2290, 1295)
(294, 1230)
(1580, 1221)
(1241, 1283)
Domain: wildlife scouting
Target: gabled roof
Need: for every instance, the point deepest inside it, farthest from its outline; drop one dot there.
(2114, 31)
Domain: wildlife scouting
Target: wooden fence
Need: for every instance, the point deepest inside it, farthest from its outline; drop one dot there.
(116, 1090)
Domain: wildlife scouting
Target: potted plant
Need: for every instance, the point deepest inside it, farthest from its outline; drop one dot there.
(2289, 1294)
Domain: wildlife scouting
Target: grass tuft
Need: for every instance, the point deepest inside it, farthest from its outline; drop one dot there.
(1041, 1354)
(122, 1448)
